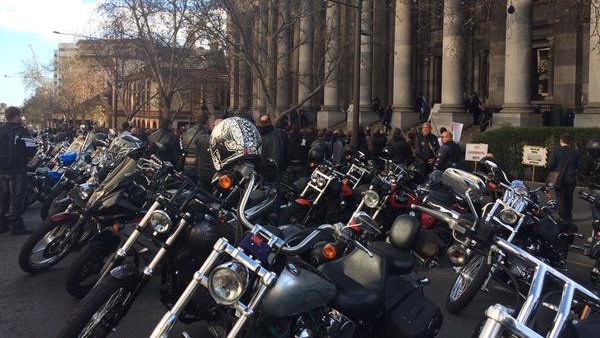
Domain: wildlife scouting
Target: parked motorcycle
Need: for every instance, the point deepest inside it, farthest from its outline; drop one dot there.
(259, 288)
(182, 225)
(568, 312)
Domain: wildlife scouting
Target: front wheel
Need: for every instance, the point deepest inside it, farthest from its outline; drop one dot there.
(48, 245)
(86, 268)
(100, 311)
(467, 284)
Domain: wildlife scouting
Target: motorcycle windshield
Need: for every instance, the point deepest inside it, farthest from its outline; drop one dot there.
(86, 147)
(114, 178)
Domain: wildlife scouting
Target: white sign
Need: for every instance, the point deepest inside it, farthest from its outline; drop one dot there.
(456, 129)
(475, 151)
(535, 156)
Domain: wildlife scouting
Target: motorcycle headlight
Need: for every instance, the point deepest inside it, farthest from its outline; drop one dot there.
(320, 182)
(160, 221)
(227, 282)
(371, 198)
(509, 216)
(84, 191)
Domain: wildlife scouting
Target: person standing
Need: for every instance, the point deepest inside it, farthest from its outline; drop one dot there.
(426, 147)
(423, 107)
(125, 129)
(387, 118)
(449, 154)
(197, 161)
(297, 154)
(399, 148)
(16, 149)
(274, 144)
(166, 142)
(567, 160)
(475, 107)
(378, 140)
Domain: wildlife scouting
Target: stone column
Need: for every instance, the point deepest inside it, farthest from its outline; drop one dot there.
(404, 115)
(234, 81)
(452, 108)
(367, 116)
(591, 111)
(332, 113)
(517, 109)
(305, 54)
(283, 58)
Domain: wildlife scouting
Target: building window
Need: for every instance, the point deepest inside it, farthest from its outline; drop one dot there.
(543, 73)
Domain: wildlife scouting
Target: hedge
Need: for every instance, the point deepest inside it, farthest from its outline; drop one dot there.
(507, 143)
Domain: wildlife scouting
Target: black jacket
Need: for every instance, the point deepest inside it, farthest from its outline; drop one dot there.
(426, 147)
(400, 150)
(297, 149)
(273, 146)
(378, 141)
(170, 142)
(195, 144)
(448, 156)
(557, 159)
(26, 147)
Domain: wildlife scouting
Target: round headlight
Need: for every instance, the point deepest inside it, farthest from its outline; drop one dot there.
(371, 198)
(160, 221)
(227, 282)
(320, 182)
(84, 191)
(509, 216)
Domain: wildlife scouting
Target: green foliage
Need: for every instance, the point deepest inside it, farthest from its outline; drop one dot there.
(507, 146)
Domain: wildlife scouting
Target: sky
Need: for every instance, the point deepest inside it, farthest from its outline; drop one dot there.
(25, 23)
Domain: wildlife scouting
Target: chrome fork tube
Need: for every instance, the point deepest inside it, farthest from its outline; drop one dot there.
(163, 250)
(164, 327)
(122, 251)
(239, 324)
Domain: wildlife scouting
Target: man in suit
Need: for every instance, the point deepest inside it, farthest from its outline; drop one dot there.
(565, 156)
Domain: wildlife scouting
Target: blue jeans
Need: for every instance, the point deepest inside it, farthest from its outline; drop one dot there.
(13, 191)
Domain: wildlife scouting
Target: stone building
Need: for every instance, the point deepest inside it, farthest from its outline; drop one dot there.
(519, 55)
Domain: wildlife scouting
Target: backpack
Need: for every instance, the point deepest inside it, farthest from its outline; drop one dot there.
(8, 148)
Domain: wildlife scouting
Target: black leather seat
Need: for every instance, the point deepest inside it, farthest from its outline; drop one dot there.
(359, 280)
(398, 262)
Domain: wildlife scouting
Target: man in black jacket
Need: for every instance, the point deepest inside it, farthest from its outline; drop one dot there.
(297, 154)
(16, 148)
(426, 147)
(273, 145)
(449, 154)
(567, 158)
(195, 141)
(169, 149)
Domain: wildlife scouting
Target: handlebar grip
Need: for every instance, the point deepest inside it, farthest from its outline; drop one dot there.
(453, 223)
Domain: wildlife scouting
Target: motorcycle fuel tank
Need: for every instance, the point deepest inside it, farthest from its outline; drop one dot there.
(297, 291)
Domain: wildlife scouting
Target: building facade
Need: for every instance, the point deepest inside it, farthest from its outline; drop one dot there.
(518, 55)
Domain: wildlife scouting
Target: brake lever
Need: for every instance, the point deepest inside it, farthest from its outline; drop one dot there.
(362, 247)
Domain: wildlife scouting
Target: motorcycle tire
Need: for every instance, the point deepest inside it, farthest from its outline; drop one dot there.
(464, 288)
(49, 207)
(294, 214)
(32, 196)
(100, 310)
(54, 251)
(86, 268)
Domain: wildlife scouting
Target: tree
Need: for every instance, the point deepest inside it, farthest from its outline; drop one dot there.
(81, 85)
(253, 33)
(167, 40)
(39, 108)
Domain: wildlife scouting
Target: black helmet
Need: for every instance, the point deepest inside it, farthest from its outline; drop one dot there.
(593, 147)
(316, 154)
(233, 139)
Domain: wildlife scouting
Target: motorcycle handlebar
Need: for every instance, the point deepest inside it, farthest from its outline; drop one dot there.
(453, 223)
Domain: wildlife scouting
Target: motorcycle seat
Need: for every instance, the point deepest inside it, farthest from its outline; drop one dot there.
(441, 197)
(398, 262)
(589, 327)
(359, 280)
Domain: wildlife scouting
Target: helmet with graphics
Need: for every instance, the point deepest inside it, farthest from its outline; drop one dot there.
(234, 139)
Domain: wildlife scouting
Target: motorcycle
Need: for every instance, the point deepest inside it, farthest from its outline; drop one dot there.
(547, 311)
(88, 208)
(515, 217)
(183, 225)
(593, 251)
(260, 288)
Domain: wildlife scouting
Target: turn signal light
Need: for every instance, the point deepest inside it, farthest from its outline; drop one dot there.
(225, 182)
(329, 251)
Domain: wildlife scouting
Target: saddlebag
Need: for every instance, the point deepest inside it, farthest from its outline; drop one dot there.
(408, 313)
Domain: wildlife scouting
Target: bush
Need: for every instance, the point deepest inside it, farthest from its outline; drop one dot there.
(507, 146)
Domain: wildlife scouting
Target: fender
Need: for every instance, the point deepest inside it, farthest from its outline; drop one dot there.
(127, 273)
(105, 238)
(64, 217)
